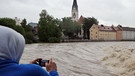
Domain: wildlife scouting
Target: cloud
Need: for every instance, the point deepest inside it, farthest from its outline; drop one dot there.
(106, 11)
(115, 11)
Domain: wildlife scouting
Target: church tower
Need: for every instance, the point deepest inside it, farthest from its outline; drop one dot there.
(75, 11)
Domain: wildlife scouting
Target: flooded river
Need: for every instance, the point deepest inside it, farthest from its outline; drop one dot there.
(74, 59)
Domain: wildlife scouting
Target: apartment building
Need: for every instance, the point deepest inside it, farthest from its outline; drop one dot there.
(106, 33)
(101, 32)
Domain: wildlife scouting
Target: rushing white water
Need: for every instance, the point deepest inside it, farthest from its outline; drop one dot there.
(77, 59)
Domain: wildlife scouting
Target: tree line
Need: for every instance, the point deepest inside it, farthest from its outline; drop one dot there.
(24, 29)
(51, 29)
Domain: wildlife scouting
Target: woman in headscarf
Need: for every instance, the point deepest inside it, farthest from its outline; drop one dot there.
(11, 49)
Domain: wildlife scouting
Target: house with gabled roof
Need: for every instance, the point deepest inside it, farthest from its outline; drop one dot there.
(118, 30)
(106, 33)
(101, 32)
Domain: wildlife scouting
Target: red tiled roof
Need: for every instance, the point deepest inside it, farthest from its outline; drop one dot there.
(116, 28)
(105, 28)
(80, 19)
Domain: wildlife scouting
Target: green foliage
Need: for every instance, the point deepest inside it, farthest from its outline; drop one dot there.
(57, 22)
(27, 28)
(88, 22)
(29, 37)
(7, 22)
(48, 28)
(20, 30)
(24, 22)
(69, 27)
(53, 40)
(45, 19)
(42, 34)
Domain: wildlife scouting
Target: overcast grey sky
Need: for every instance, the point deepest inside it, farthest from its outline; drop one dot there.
(107, 12)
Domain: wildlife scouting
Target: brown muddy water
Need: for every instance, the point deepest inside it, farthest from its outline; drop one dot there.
(86, 58)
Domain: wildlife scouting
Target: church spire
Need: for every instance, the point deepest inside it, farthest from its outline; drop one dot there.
(75, 5)
(75, 11)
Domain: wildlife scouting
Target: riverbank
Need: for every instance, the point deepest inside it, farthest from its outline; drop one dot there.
(86, 40)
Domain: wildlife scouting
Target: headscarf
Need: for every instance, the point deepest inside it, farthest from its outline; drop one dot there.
(11, 44)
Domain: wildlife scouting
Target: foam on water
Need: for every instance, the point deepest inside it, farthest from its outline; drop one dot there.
(119, 58)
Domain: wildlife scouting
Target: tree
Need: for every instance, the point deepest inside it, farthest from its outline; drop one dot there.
(20, 30)
(29, 37)
(24, 22)
(57, 22)
(25, 30)
(70, 28)
(88, 22)
(7, 22)
(48, 29)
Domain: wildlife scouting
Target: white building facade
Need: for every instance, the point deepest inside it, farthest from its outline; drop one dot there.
(128, 33)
